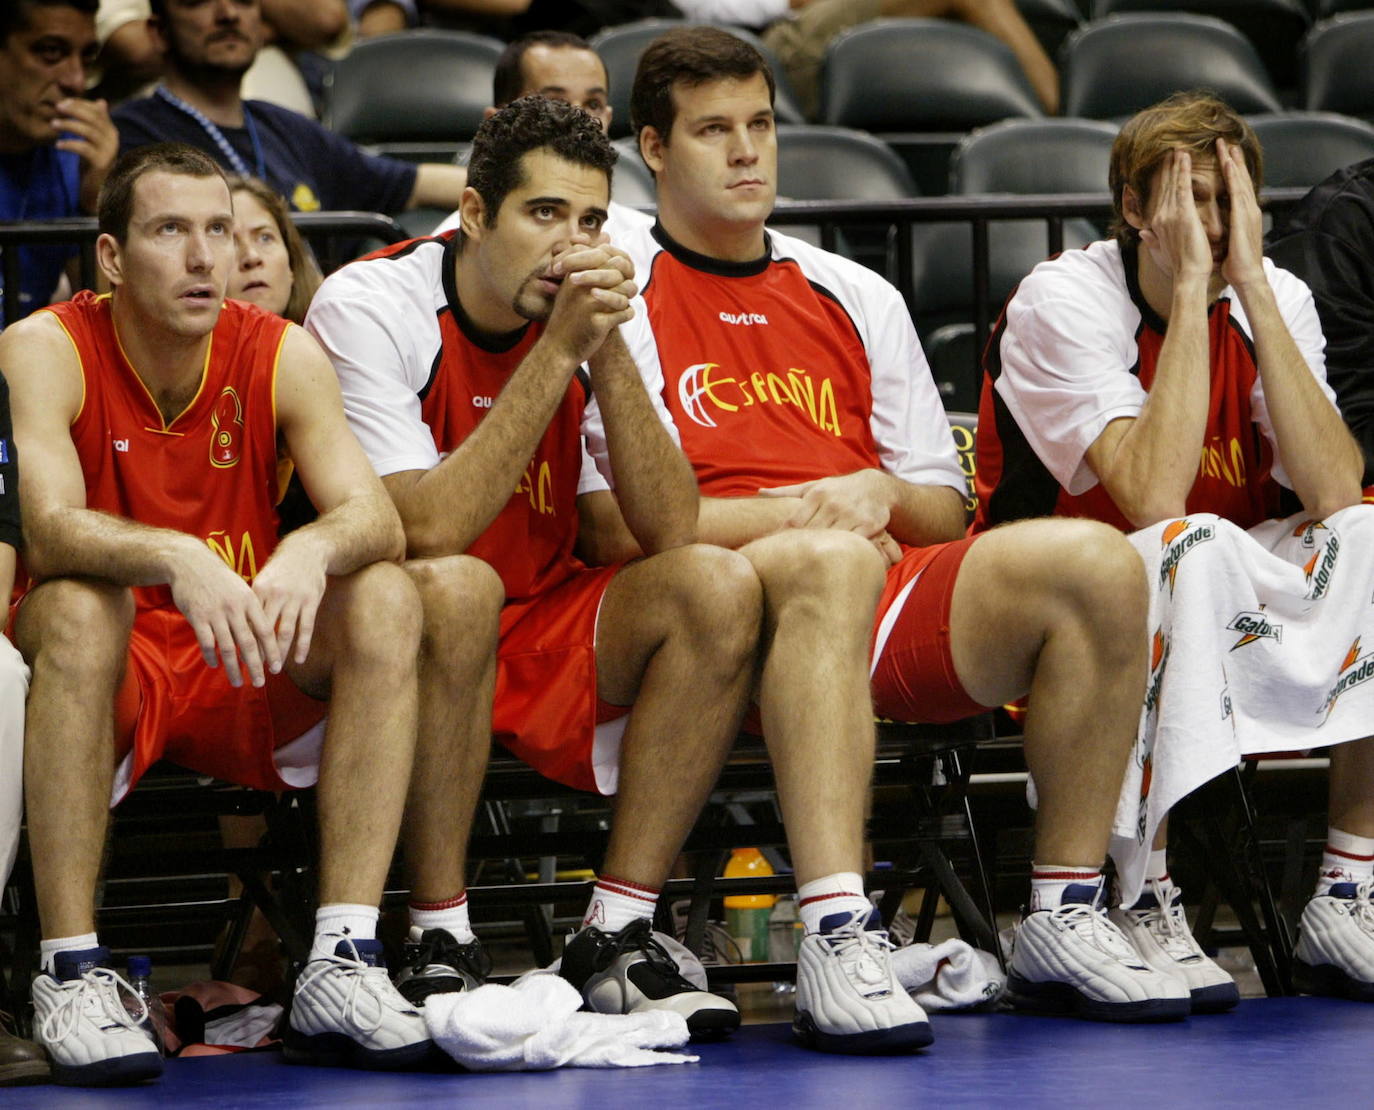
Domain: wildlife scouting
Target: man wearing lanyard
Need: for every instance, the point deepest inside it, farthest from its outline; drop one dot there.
(207, 49)
(55, 148)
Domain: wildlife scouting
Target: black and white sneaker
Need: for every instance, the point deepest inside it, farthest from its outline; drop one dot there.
(436, 963)
(630, 972)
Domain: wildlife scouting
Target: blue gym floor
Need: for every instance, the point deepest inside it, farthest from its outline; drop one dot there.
(1269, 1052)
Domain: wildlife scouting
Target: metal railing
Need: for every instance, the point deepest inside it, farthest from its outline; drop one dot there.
(326, 230)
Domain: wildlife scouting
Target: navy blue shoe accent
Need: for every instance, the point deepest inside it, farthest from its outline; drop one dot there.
(337, 1050)
(1329, 981)
(1090, 894)
(1216, 999)
(74, 964)
(872, 1042)
(832, 921)
(369, 952)
(1061, 999)
(117, 1072)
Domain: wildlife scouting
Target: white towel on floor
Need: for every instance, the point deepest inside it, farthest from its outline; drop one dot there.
(1261, 641)
(534, 1024)
(951, 975)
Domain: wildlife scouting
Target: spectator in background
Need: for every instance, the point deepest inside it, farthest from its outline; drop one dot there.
(130, 58)
(506, 19)
(799, 31)
(276, 270)
(55, 147)
(207, 47)
(1328, 241)
(560, 66)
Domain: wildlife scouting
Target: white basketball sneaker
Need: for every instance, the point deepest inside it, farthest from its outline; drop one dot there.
(1158, 930)
(1071, 959)
(81, 1018)
(347, 1013)
(1335, 950)
(848, 999)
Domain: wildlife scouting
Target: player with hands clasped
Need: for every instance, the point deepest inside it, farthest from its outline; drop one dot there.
(156, 420)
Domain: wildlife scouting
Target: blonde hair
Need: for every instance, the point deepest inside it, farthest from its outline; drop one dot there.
(1191, 121)
(305, 271)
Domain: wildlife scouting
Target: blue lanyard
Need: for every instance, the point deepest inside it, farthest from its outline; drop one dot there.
(217, 136)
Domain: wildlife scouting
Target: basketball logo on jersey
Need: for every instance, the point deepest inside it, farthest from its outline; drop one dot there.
(226, 430)
(696, 388)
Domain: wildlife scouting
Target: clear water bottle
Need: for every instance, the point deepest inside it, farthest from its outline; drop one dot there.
(140, 970)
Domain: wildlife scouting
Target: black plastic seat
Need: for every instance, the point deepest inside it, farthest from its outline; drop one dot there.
(1303, 148)
(1116, 66)
(838, 163)
(631, 182)
(413, 86)
(1336, 62)
(1274, 27)
(620, 48)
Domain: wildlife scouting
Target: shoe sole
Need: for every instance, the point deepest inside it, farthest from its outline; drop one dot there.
(1216, 999)
(871, 1042)
(118, 1071)
(712, 1025)
(1060, 999)
(336, 1050)
(1330, 982)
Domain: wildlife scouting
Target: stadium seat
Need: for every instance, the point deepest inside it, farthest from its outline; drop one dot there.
(1273, 26)
(1303, 148)
(1114, 67)
(921, 75)
(620, 48)
(1051, 20)
(1014, 156)
(1323, 9)
(1336, 61)
(422, 86)
(632, 183)
(838, 163)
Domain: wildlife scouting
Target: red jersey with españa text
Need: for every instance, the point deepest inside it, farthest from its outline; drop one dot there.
(1077, 347)
(211, 472)
(418, 379)
(796, 366)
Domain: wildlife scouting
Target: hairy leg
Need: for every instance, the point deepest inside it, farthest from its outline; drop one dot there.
(462, 598)
(74, 634)
(1057, 609)
(676, 636)
(1351, 790)
(821, 589)
(367, 636)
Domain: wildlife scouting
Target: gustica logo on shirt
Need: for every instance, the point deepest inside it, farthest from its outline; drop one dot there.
(746, 318)
(1178, 538)
(1356, 669)
(704, 390)
(1318, 569)
(1254, 626)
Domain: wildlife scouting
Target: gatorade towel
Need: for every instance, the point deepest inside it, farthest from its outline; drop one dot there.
(1260, 641)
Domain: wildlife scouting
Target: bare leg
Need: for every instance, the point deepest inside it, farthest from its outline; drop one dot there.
(676, 636)
(364, 653)
(462, 598)
(821, 589)
(74, 635)
(1351, 790)
(1057, 608)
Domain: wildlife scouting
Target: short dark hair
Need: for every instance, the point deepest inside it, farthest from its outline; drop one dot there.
(116, 204)
(532, 123)
(508, 82)
(689, 56)
(15, 14)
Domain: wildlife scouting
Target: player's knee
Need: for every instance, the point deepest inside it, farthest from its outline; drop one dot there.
(382, 618)
(717, 593)
(76, 624)
(1102, 575)
(461, 597)
(824, 565)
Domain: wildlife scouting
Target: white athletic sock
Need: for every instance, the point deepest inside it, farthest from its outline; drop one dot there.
(48, 949)
(617, 902)
(450, 915)
(342, 919)
(1347, 858)
(1049, 881)
(1157, 867)
(842, 892)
